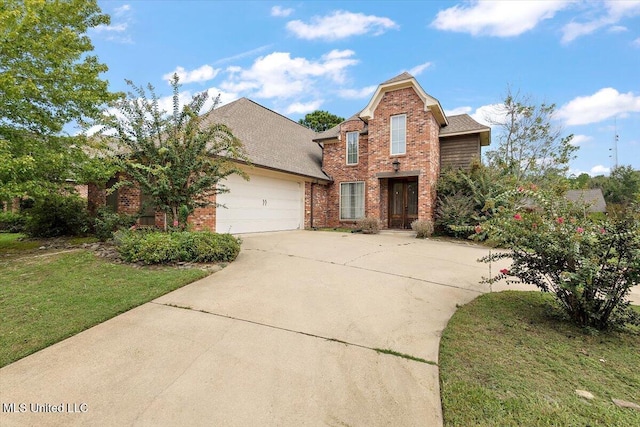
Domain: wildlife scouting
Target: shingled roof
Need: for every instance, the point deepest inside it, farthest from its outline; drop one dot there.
(270, 139)
(462, 124)
(593, 198)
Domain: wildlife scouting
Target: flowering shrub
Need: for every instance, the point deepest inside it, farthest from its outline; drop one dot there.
(589, 265)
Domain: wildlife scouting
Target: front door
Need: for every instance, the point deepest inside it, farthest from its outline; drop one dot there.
(403, 203)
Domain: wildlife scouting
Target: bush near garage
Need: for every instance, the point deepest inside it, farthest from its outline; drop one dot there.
(157, 247)
(107, 222)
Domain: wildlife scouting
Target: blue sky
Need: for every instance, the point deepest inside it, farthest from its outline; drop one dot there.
(296, 57)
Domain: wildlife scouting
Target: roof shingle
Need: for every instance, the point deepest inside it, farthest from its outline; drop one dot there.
(270, 139)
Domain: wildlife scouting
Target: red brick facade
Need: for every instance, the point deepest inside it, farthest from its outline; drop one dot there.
(420, 161)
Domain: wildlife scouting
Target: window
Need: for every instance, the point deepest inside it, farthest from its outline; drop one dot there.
(352, 148)
(398, 134)
(351, 200)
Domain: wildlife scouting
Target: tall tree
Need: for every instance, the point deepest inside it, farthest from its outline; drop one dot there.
(320, 120)
(177, 159)
(47, 79)
(530, 145)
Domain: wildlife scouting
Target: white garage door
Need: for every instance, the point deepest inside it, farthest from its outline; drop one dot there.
(261, 204)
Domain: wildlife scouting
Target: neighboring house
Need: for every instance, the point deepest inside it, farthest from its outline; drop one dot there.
(593, 199)
(383, 162)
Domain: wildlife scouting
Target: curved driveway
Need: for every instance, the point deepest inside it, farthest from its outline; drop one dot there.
(285, 335)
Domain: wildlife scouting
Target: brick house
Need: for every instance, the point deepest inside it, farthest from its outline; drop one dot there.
(382, 162)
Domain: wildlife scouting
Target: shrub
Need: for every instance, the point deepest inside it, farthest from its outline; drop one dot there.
(12, 222)
(157, 247)
(423, 228)
(369, 225)
(589, 265)
(107, 222)
(467, 197)
(454, 211)
(58, 215)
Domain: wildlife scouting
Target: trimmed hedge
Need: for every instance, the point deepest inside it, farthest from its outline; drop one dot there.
(157, 247)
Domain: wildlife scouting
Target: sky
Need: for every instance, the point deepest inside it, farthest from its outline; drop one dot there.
(297, 57)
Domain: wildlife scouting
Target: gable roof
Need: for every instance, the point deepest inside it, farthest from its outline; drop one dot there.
(463, 124)
(594, 198)
(271, 140)
(402, 81)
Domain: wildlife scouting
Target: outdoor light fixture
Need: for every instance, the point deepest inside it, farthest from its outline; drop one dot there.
(396, 165)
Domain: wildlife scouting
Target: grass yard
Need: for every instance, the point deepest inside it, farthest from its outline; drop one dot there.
(504, 361)
(47, 298)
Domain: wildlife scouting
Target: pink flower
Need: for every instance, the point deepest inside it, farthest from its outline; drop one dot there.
(602, 231)
(534, 187)
(534, 225)
(520, 189)
(517, 217)
(580, 230)
(560, 220)
(478, 229)
(175, 223)
(504, 271)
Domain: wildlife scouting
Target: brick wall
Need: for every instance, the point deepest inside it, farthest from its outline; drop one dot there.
(320, 197)
(422, 154)
(204, 218)
(96, 198)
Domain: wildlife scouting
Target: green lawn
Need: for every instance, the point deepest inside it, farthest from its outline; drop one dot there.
(45, 299)
(505, 361)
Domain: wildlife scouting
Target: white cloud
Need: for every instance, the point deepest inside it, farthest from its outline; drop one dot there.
(418, 69)
(303, 107)
(490, 115)
(339, 25)
(600, 106)
(458, 110)
(618, 29)
(122, 10)
(117, 30)
(278, 75)
(599, 170)
(609, 13)
(636, 42)
(201, 74)
(243, 54)
(280, 11)
(580, 139)
(500, 19)
(357, 93)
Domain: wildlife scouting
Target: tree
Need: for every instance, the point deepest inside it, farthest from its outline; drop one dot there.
(623, 186)
(177, 159)
(47, 80)
(530, 146)
(320, 120)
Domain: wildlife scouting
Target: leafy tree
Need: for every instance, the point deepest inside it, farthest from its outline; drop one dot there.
(529, 145)
(176, 159)
(47, 79)
(623, 186)
(320, 120)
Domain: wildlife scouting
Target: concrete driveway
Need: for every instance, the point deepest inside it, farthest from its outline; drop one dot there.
(285, 335)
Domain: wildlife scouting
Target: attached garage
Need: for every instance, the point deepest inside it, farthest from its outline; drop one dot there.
(263, 203)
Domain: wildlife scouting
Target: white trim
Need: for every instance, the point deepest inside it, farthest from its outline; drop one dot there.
(363, 200)
(391, 135)
(357, 148)
(430, 103)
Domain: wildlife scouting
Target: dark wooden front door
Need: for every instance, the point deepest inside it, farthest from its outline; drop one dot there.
(403, 203)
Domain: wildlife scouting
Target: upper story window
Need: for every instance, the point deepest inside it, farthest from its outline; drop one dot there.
(352, 148)
(399, 134)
